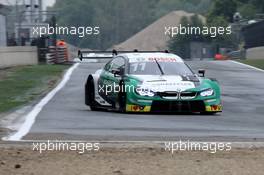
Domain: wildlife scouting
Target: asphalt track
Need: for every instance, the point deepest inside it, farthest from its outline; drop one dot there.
(66, 117)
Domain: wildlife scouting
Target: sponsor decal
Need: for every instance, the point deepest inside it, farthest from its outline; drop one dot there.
(153, 59)
(162, 59)
(172, 84)
(214, 108)
(137, 108)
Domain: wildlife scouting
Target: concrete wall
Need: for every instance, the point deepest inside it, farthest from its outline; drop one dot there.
(2, 31)
(255, 53)
(16, 56)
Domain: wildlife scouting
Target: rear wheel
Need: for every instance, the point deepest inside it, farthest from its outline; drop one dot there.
(90, 95)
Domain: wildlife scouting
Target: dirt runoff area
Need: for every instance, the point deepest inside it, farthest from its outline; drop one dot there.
(130, 161)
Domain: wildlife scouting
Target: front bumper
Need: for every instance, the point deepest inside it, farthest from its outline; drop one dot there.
(175, 106)
(136, 103)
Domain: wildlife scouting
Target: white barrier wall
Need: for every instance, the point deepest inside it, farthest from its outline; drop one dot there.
(19, 55)
(255, 53)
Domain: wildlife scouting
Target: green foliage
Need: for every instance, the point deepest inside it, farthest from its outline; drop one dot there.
(227, 8)
(224, 8)
(24, 84)
(247, 10)
(118, 19)
(180, 43)
(198, 6)
(256, 5)
(224, 40)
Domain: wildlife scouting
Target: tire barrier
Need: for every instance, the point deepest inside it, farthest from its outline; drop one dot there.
(57, 55)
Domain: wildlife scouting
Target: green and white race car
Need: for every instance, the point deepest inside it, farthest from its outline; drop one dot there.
(150, 82)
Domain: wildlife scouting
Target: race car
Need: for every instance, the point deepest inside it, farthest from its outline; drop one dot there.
(149, 82)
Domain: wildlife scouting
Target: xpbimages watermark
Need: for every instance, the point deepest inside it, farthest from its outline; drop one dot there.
(80, 147)
(110, 88)
(211, 147)
(213, 32)
(79, 31)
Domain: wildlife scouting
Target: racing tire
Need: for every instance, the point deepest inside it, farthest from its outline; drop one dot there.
(122, 97)
(90, 95)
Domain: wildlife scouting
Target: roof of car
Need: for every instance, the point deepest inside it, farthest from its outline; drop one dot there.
(149, 57)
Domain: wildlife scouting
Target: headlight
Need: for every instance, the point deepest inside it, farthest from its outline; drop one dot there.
(144, 92)
(207, 92)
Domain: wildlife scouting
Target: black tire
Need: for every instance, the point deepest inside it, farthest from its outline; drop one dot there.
(87, 99)
(122, 97)
(89, 94)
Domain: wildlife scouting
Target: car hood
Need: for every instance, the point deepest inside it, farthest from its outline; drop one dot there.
(162, 83)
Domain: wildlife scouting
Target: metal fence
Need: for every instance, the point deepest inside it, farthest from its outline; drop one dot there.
(254, 35)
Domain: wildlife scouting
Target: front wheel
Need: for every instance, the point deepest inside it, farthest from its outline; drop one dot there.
(122, 97)
(90, 95)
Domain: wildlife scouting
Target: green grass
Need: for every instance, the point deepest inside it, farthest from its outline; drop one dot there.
(21, 85)
(256, 63)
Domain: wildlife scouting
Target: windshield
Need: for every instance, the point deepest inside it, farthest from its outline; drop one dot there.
(152, 68)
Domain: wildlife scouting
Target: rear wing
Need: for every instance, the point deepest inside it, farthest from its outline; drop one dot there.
(82, 54)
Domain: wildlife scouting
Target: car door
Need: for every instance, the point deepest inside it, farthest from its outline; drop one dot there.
(110, 81)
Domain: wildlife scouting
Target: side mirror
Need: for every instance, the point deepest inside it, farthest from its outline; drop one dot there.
(201, 72)
(80, 55)
(116, 72)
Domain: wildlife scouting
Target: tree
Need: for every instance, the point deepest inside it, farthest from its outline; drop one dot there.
(225, 39)
(225, 8)
(247, 11)
(258, 5)
(180, 44)
(118, 19)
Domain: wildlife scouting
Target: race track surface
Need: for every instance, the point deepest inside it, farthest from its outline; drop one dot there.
(66, 117)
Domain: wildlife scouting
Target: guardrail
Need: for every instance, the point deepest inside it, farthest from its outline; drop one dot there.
(239, 54)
